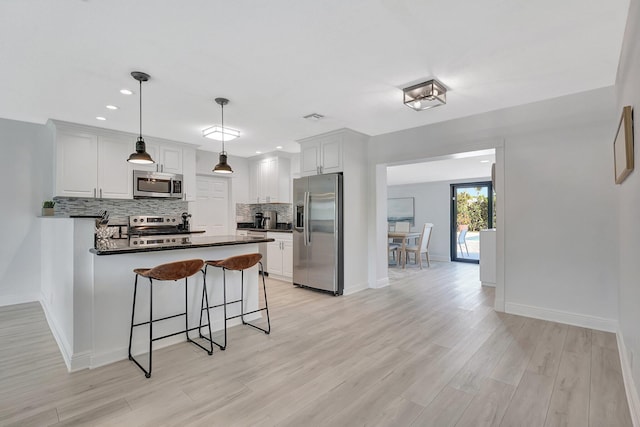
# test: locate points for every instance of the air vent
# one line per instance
(314, 117)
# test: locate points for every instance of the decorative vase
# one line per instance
(47, 211)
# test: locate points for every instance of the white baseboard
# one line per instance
(380, 283)
(498, 305)
(65, 348)
(357, 288)
(488, 284)
(280, 278)
(19, 299)
(80, 361)
(629, 383)
(591, 322)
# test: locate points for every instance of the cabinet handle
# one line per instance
(94, 193)
(101, 193)
(161, 168)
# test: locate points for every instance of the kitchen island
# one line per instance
(87, 293)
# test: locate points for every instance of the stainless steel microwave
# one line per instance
(148, 184)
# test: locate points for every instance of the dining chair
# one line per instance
(401, 227)
(422, 247)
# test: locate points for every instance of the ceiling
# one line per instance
(471, 165)
(280, 60)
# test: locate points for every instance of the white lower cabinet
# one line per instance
(280, 255)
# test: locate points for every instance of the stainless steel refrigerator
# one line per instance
(317, 233)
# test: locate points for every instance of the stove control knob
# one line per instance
(135, 220)
(141, 219)
(174, 220)
(135, 243)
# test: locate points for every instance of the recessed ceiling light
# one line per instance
(258, 152)
(126, 92)
(112, 107)
(484, 161)
(101, 118)
(279, 147)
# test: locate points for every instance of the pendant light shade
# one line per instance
(141, 156)
(222, 166)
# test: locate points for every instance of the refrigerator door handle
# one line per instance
(307, 234)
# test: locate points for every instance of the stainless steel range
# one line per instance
(159, 230)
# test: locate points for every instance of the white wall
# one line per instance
(556, 158)
(26, 169)
(560, 226)
(432, 204)
(628, 193)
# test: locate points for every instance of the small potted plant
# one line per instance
(47, 207)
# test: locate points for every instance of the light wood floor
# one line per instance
(426, 351)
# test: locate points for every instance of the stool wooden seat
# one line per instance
(165, 272)
(235, 263)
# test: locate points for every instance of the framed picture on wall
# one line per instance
(401, 210)
(623, 146)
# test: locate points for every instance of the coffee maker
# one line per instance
(257, 220)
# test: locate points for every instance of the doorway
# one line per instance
(472, 210)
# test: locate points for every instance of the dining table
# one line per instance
(404, 236)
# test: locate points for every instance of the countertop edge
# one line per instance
(122, 251)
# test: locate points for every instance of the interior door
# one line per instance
(472, 206)
(210, 210)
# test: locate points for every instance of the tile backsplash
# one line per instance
(119, 208)
(245, 211)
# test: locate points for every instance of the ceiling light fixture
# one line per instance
(425, 95)
(126, 92)
(101, 118)
(111, 107)
(140, 156)
(279, 147)
(222, 166)
(215, 132)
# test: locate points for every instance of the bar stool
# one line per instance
(236, 263)
(170, 271)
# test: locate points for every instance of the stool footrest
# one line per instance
(157, 320)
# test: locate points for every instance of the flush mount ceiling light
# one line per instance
(222, 166)
(425, 95)
(141, 156)
(216, 132)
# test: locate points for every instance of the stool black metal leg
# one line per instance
(204, 305)
(224, 307)
(265, 308)
(242, 297)
(133, 312)
(148, 374)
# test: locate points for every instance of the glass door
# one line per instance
(472, 210)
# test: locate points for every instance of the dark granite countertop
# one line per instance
(122, 246)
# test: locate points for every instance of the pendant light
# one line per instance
(140, 157)
(222, 166)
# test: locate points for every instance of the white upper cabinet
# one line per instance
(321, 154)
(189, 174)
(167, 157)
(92, 166)
(92, 162)
(115, 174)
(270, 180)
